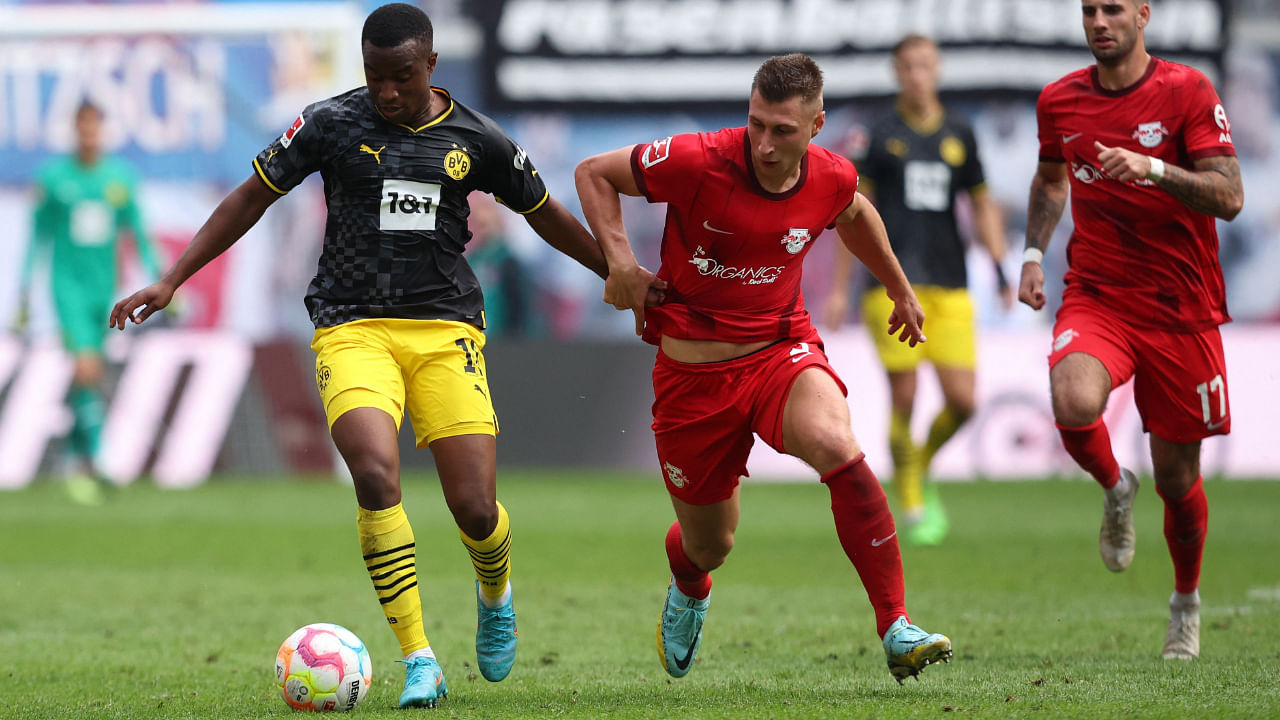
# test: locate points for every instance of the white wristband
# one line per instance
(1032, 255)
(1157, 169)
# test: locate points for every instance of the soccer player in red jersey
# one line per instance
(737, 353)
(1143, 148)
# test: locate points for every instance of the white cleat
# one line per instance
(1117, 539)
(1183, 640)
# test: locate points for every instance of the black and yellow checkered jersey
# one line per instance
(914, 173)
(397, 205)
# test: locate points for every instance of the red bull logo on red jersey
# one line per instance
(795, 239)
(1150, 134)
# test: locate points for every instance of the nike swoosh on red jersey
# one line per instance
(878, 543)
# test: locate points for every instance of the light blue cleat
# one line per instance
(496, 638)
(909, 650)
(423, 683)
(680, 630)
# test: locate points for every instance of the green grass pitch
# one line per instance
(172, 604)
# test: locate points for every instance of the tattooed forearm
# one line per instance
(1044, 210)
(1213, 188)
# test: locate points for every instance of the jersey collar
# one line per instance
(437, 119)
(924, 127)
(1097, 86)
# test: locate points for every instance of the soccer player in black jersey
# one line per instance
(398, 312)
(918, 159)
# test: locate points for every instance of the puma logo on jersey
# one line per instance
(374, 153)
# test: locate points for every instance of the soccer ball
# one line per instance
(323, 666)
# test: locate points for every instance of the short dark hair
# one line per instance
(390, 25)
(87, 107)
(911, 41)
(783, 77)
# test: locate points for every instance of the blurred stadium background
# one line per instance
(223, 385)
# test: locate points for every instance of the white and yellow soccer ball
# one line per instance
(323, 667)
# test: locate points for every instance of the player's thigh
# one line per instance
(446, 384)
(949, 325)
(800, 406)
(896, 356)
(1180, 386)
(1091, 355)
(958, 387)
(815, 421)
(356, 368)
(701, 428)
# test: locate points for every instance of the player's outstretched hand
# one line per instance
(1031, 288)
(1121, 164)
(141, 305)
(907, 321)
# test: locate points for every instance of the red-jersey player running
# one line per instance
(737, 352)
(1143, 148)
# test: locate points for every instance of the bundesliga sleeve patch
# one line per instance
(287, 137)
(656, 152)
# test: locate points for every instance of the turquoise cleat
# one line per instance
(680, 630)
(423, 683)
(910, 650)
(496, 638)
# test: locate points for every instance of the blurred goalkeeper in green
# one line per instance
(83, 203)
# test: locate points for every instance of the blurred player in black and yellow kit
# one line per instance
(398, 312)
(918, 158)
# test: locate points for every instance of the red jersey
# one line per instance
(732, 252)
(1135, 247)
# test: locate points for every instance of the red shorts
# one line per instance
(704, 414)
(1179, 379)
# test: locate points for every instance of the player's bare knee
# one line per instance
(962, 410)
(376, 480)
(1075, 409)
(827, 447)
(475, 517)
(710, 555)
(88, 371)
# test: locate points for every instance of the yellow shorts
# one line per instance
(434, 368)
(948, 323)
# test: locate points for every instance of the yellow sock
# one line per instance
(906, 463)
(492, 556)
(386, 539)
(944, 426)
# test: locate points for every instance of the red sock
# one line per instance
(1186, 520)
(868, 536)
(690, 579)
(1090, 447)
